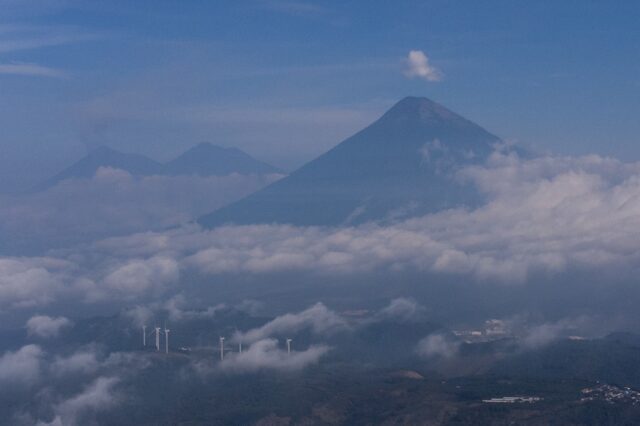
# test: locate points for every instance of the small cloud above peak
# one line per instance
(417, 65)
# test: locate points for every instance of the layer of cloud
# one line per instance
(22, 367)
(72, 388)
(437, 346)
(548, 214)
(540, 335)
(81, 362)
(29, 282)
(266, 354)
(404, 309)
(137, 276)
(46, 326)
(23, 37)
(418, 65)
(543, 216)
(31, 70)
(318, 319)
(98, 396)
(113, 203)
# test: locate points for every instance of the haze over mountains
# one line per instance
(403, 164)
(204, 159)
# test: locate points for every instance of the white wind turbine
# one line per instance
(166, 340)
(289, 346)
(221, 348)
(158, 339)
(144, 335)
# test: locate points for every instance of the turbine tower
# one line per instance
(144, 335)
(289, 346)
(158, 339)
(240, 347)
(221, 348)
(166, 340)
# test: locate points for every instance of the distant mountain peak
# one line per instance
(207, 159)
(207, 145)
(210, 148)
(104, 156)
(420, 109)
(204, 159)
(402, 164)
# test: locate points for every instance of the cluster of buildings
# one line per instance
(513, 400)
(492, 329)
(611, 394)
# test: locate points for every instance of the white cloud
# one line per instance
(250, 307)
(31, 70)
(545, 215)
(28, 282)
(46, 326)
(82, 362)
(540, 335)
(96, 397)
(28, 37)
(318, 318)
(177, 309)
(139, 276)
(114, 203)
(57, 379)
(21, 367)
(437, 345)
(418, 65)
(265, 354)
(404, 309)
(140, 315)
(548, 214)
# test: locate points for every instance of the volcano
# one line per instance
(206, 159)
(403, 164)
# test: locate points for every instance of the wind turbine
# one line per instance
(144, 335)
(240, 347)
(166, 340)
(158, 339)
(221, 348)
(289, 346)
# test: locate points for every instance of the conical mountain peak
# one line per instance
(207, 159)
(402, 164)
(420, 109)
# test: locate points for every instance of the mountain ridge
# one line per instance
(203, 159)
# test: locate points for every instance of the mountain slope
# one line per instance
(400, 165)
(202, 160)
(206, 159)
(86, 167)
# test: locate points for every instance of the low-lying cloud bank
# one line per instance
(545, 215)
(318, 318)
(71, 389)
(113, 203)
(266, 354)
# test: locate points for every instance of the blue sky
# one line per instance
(287, 79)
